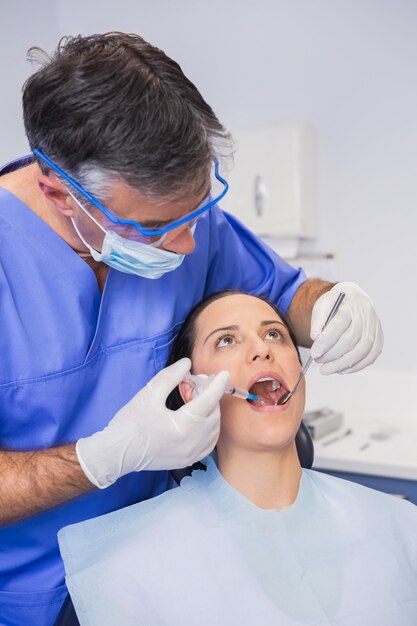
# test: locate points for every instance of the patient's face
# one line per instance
(243, 335)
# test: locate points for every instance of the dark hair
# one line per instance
(115, 103)
(184, 342)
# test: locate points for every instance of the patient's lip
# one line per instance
(267, 374)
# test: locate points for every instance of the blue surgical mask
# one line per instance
(132, 257)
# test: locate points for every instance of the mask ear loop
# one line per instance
(94, 253)
(158, 243)
(86, 212)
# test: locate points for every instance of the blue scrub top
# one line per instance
(72, 357)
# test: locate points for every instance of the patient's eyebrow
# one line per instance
(233, 327)
(268, 322)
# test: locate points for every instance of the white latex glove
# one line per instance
(145, 435)
(199, 383)
(353, 339)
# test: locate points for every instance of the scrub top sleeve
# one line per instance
(240, 260)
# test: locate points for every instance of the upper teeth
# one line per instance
(275, 383)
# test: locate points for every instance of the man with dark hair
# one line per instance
(120, 190)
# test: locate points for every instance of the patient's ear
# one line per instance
(186, 390)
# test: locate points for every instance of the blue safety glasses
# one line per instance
(146, 232)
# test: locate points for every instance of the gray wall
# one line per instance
(346, 66)
(22, 24)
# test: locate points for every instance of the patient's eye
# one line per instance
(274, 334)
(224, 341)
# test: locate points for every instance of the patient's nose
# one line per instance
(261, 351)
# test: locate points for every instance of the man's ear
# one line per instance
(186, 389)
(55, 192)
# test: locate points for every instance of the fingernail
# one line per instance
(326, 372)
(316, 353)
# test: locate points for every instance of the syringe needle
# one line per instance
(240, 393)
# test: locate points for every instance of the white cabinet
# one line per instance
(273, 183)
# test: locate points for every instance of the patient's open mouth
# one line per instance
(268, 389)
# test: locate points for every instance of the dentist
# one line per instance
(109, 233)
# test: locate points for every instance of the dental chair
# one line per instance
(305, 451)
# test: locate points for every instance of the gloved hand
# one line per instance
(353, 339)
(145, 435)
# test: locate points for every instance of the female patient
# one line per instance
(253, 539)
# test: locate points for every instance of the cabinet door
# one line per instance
(273, 181)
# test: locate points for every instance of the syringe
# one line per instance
(240, 393)
(231, 390)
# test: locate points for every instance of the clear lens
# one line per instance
(217, 188)
(127, 231)
(191, 225)
(183, 223)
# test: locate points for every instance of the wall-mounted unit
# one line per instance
(273, 183)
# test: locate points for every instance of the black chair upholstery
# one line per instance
(305, 451)
(67, 615)
(305, 447)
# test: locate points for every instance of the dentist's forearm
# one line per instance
(299, 313)
(32, 482)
